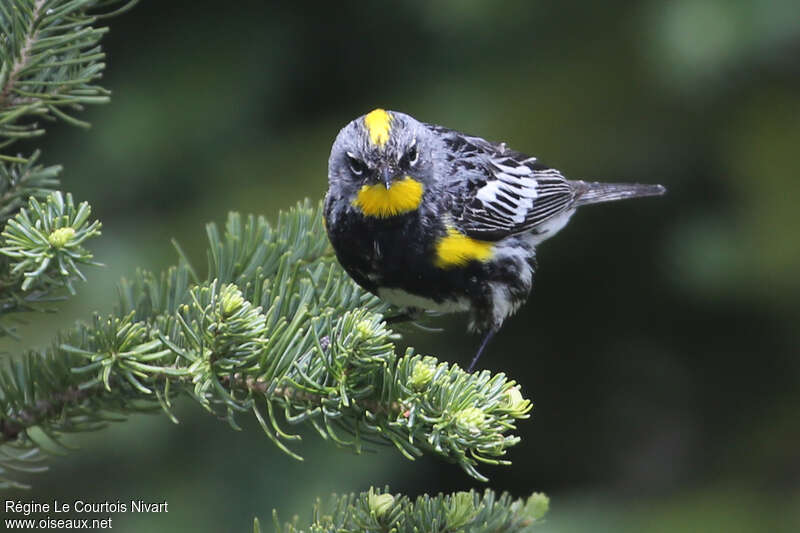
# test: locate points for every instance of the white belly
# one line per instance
(402, 298)
(550, 227)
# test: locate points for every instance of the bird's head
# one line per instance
(381, 163)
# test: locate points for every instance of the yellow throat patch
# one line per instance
(378, 123)
(456, 250)
(377, 201)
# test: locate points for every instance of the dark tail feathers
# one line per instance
(593, 192)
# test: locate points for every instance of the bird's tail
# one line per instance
(593, 192)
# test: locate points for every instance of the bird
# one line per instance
(429, 218)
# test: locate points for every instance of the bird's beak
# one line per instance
(387, 178)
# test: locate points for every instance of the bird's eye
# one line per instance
(357, 166)
(411, 156)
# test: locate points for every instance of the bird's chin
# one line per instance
(402, 197)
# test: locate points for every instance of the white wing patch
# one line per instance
(512, 192)
(519, 170)
(509, 195)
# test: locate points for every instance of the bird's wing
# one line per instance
(496, 192)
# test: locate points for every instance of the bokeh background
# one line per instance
(661, 342)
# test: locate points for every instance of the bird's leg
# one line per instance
(406, 315)
(486, 339)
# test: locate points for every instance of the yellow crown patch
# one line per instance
(378, 123)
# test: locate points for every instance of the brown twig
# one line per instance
(13, 424)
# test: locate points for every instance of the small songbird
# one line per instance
(429, 218)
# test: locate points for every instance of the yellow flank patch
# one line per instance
(377, 201)
(378, 123)
(456, 249)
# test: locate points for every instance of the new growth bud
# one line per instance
(60, 237)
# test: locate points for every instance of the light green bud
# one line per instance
(536, 506)
(60, 237)
(470, 418)
(461, 510)
(513, 401)
(421, 375)
(379, 503)
(231, 299)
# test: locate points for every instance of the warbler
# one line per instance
(428, 218)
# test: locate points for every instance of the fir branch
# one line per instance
(22, 180)
(42, 247)
(50, 58)
(28, 37)
(49, 61)
(375, 510)
(276, 328)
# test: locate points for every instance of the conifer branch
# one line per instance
(28, 36)
(278, 330)
(50, 57)
(375, 510)
(22, 180)
(45, 243)
(42, 247)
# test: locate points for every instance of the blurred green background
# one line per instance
(660, 344)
